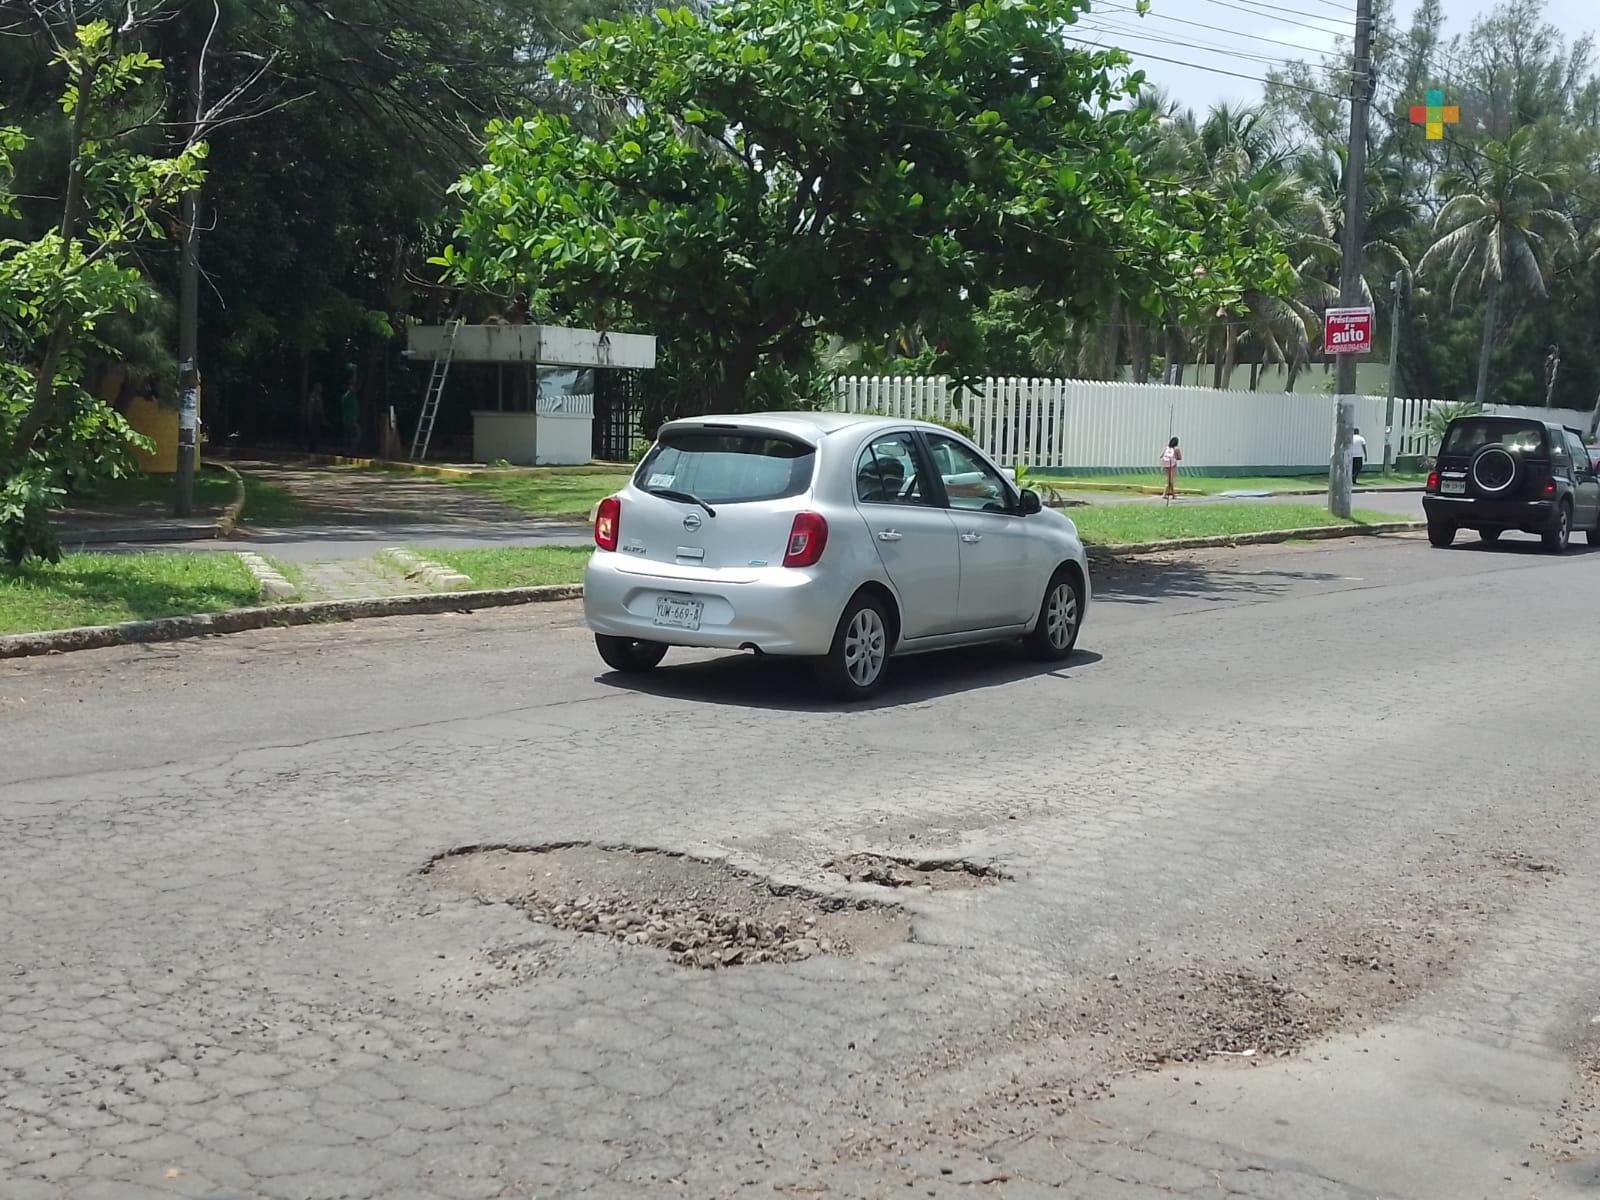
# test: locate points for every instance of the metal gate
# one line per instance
(618, 414)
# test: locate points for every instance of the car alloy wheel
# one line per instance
(1055, 629)
(1061, 615)
(866, 646)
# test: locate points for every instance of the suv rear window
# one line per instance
(1467, 434)
(728, 468)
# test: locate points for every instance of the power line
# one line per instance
(1190, 43)
(1259, 8)
(1178, 62)
(1253, 37)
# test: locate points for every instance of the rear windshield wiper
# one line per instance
(682, 498)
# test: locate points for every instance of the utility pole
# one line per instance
(1350, 266)
(189, 321)
(1394, 364)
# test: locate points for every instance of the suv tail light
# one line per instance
(1433, 481)
(1545, 485)
(608, 523)
(808, 538)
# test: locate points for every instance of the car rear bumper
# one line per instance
(1468, 512)
(775, 610)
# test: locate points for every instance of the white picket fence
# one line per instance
(1107, 426)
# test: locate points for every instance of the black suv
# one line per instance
(1500, 473)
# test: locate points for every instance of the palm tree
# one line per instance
(1499, 225)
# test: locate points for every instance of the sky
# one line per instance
(1219, 34)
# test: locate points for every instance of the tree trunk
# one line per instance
(1491, 298)
(730, 393)
(1177, 355)
(1255, 375)
(1139, 352)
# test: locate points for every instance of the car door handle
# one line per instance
(971, 538)
(889, 535)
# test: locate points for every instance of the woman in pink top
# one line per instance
(1170, 458)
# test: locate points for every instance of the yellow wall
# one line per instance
(160, 425)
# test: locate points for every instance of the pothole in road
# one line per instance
(700, 914)
(935, 874)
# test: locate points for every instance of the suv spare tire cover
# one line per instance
(1496, 469)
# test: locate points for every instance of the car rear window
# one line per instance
(1466, 435)
(728, 468)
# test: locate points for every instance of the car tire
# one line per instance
(857, 662)
(1489, 535)
(1556, 539)
(1055, 633)
(629, 655)
(1594, 536)
(1496, 471)
(1441, 535)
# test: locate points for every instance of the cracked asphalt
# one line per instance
(224, 974)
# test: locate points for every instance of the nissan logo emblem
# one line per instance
(691, 522)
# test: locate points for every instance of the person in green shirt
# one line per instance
(350, 414)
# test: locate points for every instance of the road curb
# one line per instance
(412, 565)
(229, 521)
(270, 582)
(1268, 538)
(1360, 491)
(241, 620)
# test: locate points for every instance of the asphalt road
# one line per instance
(1303, 893)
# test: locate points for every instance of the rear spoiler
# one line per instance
(753, 427)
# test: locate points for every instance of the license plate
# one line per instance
(673, 612)
(1453, 487)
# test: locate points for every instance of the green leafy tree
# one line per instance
(1499, 227)
(56, 289)
(780, 168)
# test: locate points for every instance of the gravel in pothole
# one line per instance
(700, 914)
(936, 874)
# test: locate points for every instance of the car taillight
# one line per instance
(1433, 481)
(808, 538)
(1546, 486)
(608, 523)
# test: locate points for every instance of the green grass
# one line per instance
(516, 566)
(1120, 524)
(1211, 485)
(549, 493)
(102, 589)
(151, 495)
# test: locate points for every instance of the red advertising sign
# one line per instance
(1347, 331)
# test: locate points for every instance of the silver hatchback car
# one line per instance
(845, 539)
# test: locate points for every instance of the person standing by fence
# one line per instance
(1171, 456)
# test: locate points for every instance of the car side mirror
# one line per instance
(1031, 502)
